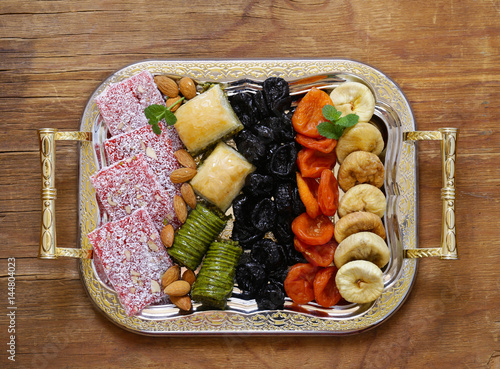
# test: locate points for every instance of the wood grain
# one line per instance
(443, 54)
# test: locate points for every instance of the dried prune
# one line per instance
(247, 120)
(297, 204)
(245, 258)
(269, 254)
(283, 161)
(263, 216)
(265, 133)
(246, 235)
(251, 147)
(283, 197)
(283, 228)
(242, 103)
(242, 208)
(271, 297)
(292, 255)
(281, 127)
(277, 94)
(250, 277)
(271, 148)
(260, 105)
(259, 185)
(279, 276)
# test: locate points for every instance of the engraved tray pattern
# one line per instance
(263, 322)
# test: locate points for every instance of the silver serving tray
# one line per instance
(394, 117)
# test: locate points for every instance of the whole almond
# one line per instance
(177, 288)
(185, 159)
(170, 276)
(167, 86)
(187, 87)
(188, 276)
(188, 195)
(182, 302)
(182, 175)
(167, 235)
(180, 208)
(171, 101)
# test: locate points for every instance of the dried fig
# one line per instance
(363, 197)
(360, 221)
(362, 246)
(361, 167)
(354, 97)
(361, 137)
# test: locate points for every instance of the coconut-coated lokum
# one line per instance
(122, 104)
(130, 184)
(133, 259)
(158, 150)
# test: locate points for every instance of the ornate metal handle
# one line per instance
(448, 137)
(48, 245)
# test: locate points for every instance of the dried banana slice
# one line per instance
(363, 197)
(361, 137)
(360, 281)
(362, 246)
(354, 97)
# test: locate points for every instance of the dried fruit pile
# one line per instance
(355, 244)
(269, 202)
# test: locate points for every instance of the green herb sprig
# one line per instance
(156, 112)
(335, 124)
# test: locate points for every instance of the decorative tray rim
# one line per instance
(262, 322)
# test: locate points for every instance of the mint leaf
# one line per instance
(330, 113)
(156, 128)
(155, 113)
(329, 130)
(335, 124)
(170, 118)
(347, 121)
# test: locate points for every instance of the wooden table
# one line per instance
(443, 54)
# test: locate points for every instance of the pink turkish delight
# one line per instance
(122, 104)
(158, 149)
(133, 259)
(129, 185)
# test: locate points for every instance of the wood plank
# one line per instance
(444, 56)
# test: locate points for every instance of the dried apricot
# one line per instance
(313, 231)
(312, 162)
(308, 192)
(323, 144)
(328, 193)
(299, 283)
(319, 255)
(309, 112)
(326, 292)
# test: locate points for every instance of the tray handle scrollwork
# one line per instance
(48, 244)
(448, 138)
